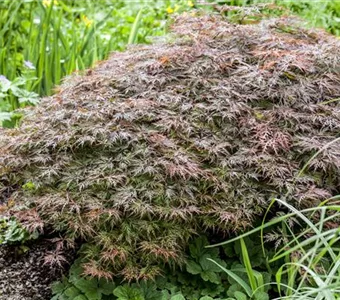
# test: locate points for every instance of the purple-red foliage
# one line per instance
(192, 134)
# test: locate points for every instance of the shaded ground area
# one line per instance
(25, 277)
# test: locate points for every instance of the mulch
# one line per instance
(24, 276)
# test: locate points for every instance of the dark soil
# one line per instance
(24, 276)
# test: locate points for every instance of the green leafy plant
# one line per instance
(78, 287)
(200, 262)
(13, 233)
(13, 95)
(201, 279)
(254, 288)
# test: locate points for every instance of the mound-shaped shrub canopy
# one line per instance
(193, 134)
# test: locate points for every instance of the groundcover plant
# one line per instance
(193, 134)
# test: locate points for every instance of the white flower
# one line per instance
(4, 79)
(29, 65)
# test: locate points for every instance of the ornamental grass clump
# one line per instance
(193, 134)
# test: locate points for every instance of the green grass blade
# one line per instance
(247, 265)
(265, 225)
(237, 278)
(135, 27)
(309, 224)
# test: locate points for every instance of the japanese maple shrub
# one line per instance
(192, 134)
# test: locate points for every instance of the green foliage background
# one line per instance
(51, 39)
(324, 13)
